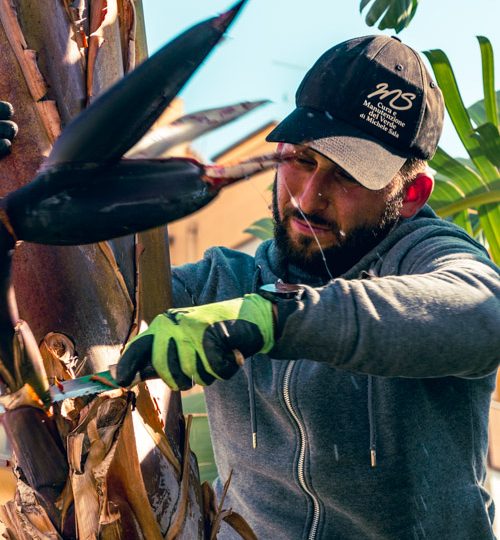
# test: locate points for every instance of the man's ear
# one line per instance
(417, 194)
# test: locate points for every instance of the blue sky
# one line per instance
(274, 42)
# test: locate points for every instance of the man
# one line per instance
(369, 379)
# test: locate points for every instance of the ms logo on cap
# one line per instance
(405, 97)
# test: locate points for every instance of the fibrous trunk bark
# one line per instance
(83, 302)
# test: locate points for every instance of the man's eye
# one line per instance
(348, 178)
(304, 161)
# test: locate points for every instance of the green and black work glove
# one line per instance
(8, 128)
(200, 344)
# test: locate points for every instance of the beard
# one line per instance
(349, 247)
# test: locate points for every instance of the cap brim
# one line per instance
(371, 163)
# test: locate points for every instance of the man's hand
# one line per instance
(8, 128)
(200, 344)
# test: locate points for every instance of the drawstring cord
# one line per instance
(251, 385)
(251, 397)
(251, 392)
(371, 417)
(371, 421)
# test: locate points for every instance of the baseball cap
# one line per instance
(368, 104)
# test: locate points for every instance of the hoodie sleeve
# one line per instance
(221, 274)
(439, 317)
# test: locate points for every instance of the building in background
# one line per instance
(224, 220)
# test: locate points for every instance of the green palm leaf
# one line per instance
(378, 8)
(477, 112)
(458, 113)
(445, 192)
(486, 198)
(263, 229)
(399, 15)
(462, 219)
(487, 61)
(466, 177)
(480, 143)
(489, 140)
(395, 14)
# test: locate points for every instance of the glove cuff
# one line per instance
(255, 308)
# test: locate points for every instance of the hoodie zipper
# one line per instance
(303, 444)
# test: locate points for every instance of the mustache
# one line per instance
(313, 219)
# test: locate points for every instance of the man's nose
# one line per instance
(312, 197)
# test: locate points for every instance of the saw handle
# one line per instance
(146, 374)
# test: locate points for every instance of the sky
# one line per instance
(273, 43)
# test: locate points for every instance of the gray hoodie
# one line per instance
(392, 363)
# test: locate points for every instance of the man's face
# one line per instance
(317, 202)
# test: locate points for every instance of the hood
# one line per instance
(389, 252)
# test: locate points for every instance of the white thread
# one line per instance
(297, 205)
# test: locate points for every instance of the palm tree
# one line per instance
(119, 466)
(468, 191)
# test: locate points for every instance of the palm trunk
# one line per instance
(83, 302)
